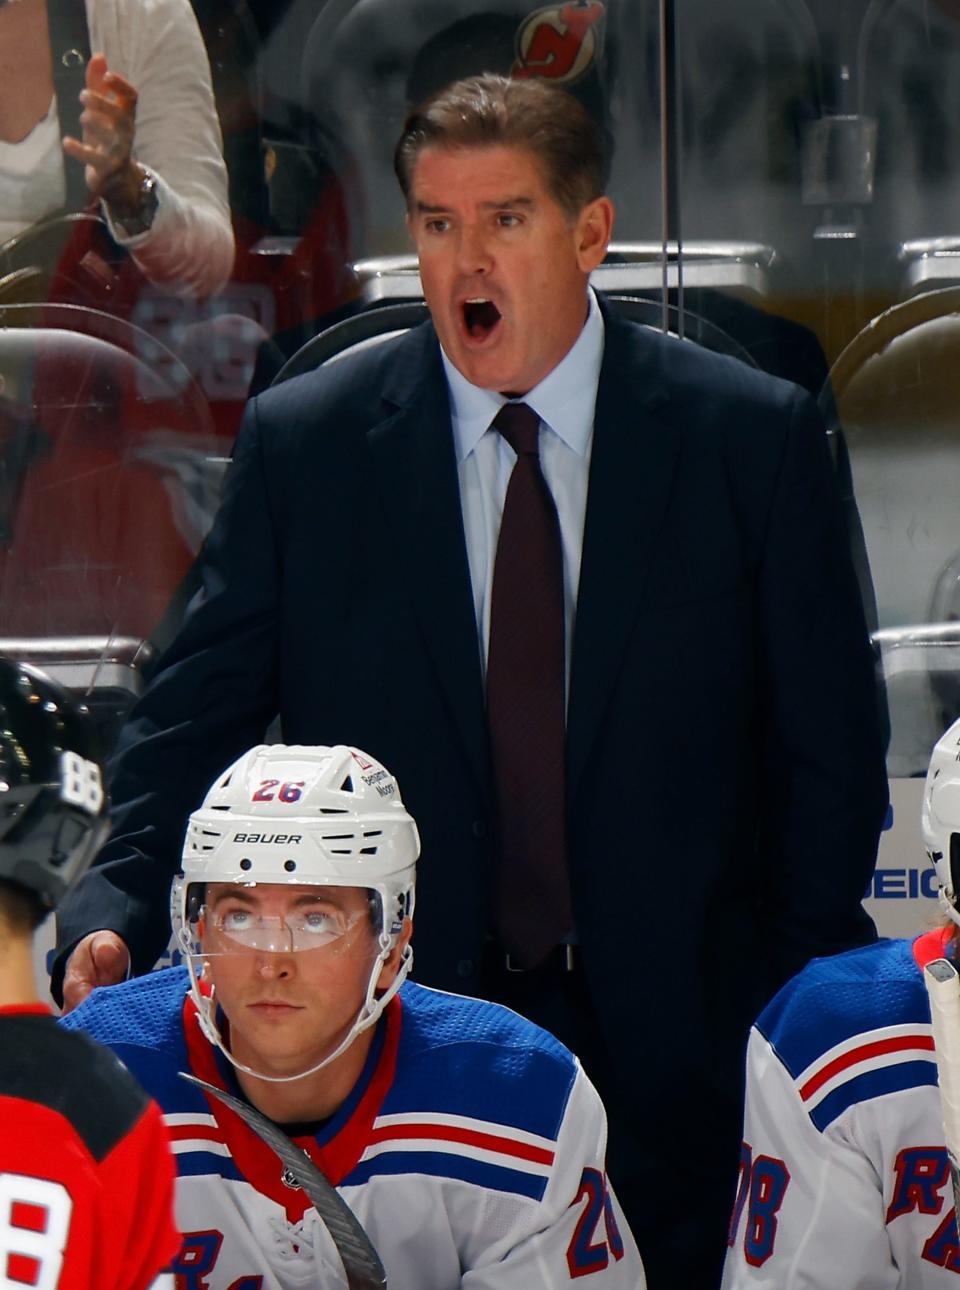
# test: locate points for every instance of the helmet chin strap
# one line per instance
(947, 905)
(368, 1013)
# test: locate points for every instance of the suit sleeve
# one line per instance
(823, 780)
(577, 1235)
(809, 1211)
(212, 697)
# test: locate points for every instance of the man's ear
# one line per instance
(392, 964)
(593, 231)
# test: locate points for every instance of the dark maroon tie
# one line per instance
(525, 704)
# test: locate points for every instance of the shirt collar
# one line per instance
(564, 399)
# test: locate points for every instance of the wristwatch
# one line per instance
(140, 218)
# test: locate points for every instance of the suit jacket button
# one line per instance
(465, 967)
(479, 828)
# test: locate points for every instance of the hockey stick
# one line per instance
(360, 1260)
(943, 990)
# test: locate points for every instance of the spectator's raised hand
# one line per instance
(106, 149)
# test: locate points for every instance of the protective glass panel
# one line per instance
(828, 135)
(109, 475)
(786, 178)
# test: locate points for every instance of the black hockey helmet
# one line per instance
(53, 806)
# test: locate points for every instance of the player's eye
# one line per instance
(507, 219)
(235, 920)
(437, 225)
(319, 923)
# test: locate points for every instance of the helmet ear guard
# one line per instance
(300, 816)
(940, 819)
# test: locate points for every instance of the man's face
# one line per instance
(504, 268)
(288, 1008)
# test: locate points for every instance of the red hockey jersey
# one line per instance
(86, 1175)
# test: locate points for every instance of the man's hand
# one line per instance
(106, 150)
(101, 958)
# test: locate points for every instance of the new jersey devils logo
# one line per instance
(560, 42)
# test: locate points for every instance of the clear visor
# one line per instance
(248, 921)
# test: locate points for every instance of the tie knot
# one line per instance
(520, 426)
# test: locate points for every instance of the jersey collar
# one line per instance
(336, 1150)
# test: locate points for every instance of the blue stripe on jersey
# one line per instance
(461, 1056)
(871, 1084)
(207, 1164)
(439, 1164)
(457, 1056)
(834, 999)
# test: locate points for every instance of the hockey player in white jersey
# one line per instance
(844, 1176)
(468, 1142)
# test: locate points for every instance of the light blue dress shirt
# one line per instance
(564, 400)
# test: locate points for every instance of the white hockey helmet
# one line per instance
(301, 815)
(940, 818)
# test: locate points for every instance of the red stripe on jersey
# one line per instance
(187, 1132)
(469, 1137)
(336, 1158)
(897, 1044)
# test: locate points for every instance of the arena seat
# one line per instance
(374, 326)
(896, 391)
(724, 286)
(108, 480)
(629, 268)
(67, 258)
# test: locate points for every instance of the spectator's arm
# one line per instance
(159, 51)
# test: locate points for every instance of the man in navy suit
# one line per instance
(724, 781)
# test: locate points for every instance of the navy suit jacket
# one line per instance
(725, 771)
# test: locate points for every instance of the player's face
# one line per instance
(289, 1008)
(504, 268)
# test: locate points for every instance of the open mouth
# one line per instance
(480, 316)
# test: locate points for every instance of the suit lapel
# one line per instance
(414, 462)
(631, 472)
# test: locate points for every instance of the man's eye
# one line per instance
(236, 920)
(437, 225)
(508, 220)
(318, 923)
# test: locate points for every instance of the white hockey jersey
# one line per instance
(471, 1150)
(844, 1180)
